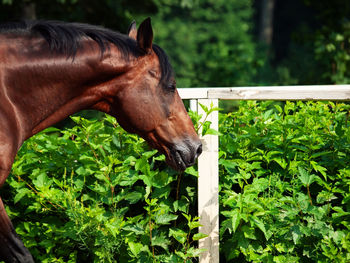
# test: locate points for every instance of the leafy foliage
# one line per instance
(114, 14)
(285, 182)
(332, 51)
(214, 45)
(94, 193)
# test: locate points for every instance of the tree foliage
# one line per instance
(209, 42)
(114, 14)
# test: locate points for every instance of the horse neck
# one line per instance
(50, 89)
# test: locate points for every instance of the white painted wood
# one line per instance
(208, 188)
(283, 93)
(193, 105)
(315, 92)
(193, 93)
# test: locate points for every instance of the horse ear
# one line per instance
(132, 30)
(145, 36)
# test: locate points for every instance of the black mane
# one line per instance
(66, 38)
(165, 66)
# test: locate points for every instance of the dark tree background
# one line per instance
(224, 43)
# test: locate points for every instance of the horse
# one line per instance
(50, 70)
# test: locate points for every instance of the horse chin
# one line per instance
(176, 162)
(178, 156)
(173, 158)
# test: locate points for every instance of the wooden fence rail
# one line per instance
(208, 168)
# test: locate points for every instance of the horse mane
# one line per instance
(167, 71)
(66, 38)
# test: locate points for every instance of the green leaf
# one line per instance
(319, 169)
(42, 180)
(178, 234)
(131, 160)
(149, 154)
(193, 224)
(146, 179)
(160, 179)
(20, 194)
(228, 163)
(180, 205)
(134, 197)
(134, 229)
(165, 219)
(129, 178)
(135, 248)
(296, 234)
(204, 108)
(236, 219)
(161, 241)
(212, 132)
(194, 252)
(142, 165)
(279, 108)
(199, 236)
(192, 171)
(305, 177)
(257, 222)
(82, 171)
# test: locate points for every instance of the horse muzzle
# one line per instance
(184, 155)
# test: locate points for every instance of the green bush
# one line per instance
(94, 193)
(284, 182)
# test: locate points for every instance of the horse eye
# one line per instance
(172, 87)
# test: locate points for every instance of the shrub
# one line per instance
(285, 177)
(94, 193)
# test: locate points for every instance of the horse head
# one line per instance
(148, 103)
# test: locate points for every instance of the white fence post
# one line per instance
(193, 105)
(208, 188)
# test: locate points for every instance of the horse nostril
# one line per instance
(199, 150)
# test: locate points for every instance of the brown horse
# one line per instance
(49, 70)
